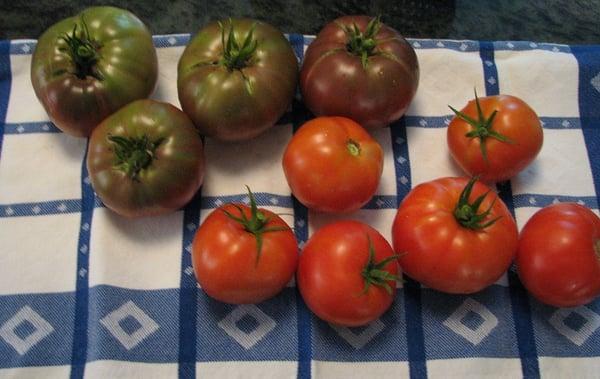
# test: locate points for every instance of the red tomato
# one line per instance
(244, 254)
(447, 243)
(347, 273)
(495, 137)
(360, 68)
(333, 165)
(559, 255)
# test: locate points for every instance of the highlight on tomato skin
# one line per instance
(333, 165)
(242, 254)
(558, 260)
(455, 235)
(347, 273)
(494, 137)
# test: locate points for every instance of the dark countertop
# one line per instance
(560, 21)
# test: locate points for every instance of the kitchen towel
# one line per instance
(84, 292)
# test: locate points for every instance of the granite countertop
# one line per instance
(560, 21)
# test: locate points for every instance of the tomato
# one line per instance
(454, 235)
(236, 78)
(146, 159)
(359, 68)
(559, 255)
(347, 273)
(86, 67)
(333, 165)
(495, 137)
(244, 254)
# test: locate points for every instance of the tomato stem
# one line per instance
(133, 154)
(374, 273)
(466, 213)
(362, 44)
(83, 50)
(353, 147)
(237, 56)
(482, 127)
(256, 224)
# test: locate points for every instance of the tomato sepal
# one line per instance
(374, 273)
(466, 213)
(256, 224)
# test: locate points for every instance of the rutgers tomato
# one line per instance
(559, 255)
(236, 78)
(359, 68)
(347, 273)
(86, 67)
(146, 159)
(333, 165)
(454, 235)
(495, 137)
(243, 254)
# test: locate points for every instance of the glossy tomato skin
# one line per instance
(559, 255)
(224, 257)
(127, 69)
(515, 120)
(169, 182)
(442, 254)
(324, 174)
(335, 83)
(329, 274)
(218, 100)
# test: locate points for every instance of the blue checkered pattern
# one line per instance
(85, 293)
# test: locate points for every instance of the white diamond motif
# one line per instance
(359, 340)
(46, 127)
(533, 45)
(20, 129)
(300, 222)
(403, 180)
(492, 80)
(510, 45)
(440, 44)
(578, 337)
(566, 123)
(555, 201)
(172, 41)
(191, 226)
(423, 122)
(555, 49)
(489, 63)
(401, 159)
(400, 140)
(188, 270)
(9, 211)
(595, 82)
(36, 209)
(416, 44)
(25, 48)
(129, 340)
(62, 207)
(474, 336)
(247, 339)
(463, 46)
(42, 329)
(532, 200)
(274, 201)
(218, 202)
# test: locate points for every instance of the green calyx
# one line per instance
(133, 154)
(257, 224)
(482, 127)
(235, 55)
(362, 44)
(467, 213)
(83, 50)
(374, 273)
